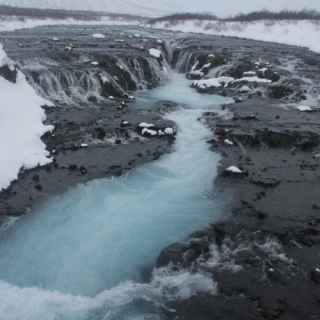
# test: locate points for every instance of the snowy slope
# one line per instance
(300, 33)
(21, 126)
(14, 23)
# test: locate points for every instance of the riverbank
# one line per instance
(264, 253)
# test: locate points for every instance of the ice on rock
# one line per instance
(212, 82)
(234, 169)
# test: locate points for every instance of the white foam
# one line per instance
(183, 284)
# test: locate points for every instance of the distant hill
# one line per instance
(247, 17)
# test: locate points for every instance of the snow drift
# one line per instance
(15, 23)
(21, 126)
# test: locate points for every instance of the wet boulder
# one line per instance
(99, 133)
(315, 275)
(173, 254)
(9, 72)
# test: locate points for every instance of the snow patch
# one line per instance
(253, 79)
(234, 169)
(212, 82)
(169, 131)
(249, 74)
(156, 53)
(146, 125)
(228, 142)
(98, 36)
(304, 108)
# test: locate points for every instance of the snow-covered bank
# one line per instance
(301, 33)
(21, 126)
(14, 23)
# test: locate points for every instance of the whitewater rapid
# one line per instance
(83, 255)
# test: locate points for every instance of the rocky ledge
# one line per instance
(87, 144)
(90, 75)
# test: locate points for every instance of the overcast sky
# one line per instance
(158, 7)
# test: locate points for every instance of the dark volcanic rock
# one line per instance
(279, 91)
(9, 73)
(266, 250)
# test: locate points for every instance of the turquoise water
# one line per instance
(82, 255)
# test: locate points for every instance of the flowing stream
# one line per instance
(83, 255)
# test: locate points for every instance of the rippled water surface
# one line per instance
(82, 255)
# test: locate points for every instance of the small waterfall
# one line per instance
(66, 86)
(93, 81)
(185, 61)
